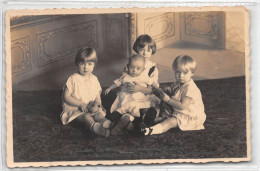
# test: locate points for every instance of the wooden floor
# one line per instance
(39, 135)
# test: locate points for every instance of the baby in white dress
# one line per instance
(132, 102)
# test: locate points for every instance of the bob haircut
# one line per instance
(143, 40)
(184, 63)
(86, 54)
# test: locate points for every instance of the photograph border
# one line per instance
(9, 142)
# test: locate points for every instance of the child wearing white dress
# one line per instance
(146, 47)
(186, 100)
(81, 95)
(131, 103)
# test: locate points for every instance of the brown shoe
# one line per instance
(121, 124)
(100, 130)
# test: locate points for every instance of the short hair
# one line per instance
(185, 63)
(142, 41)
(86, 53)
(136, 57)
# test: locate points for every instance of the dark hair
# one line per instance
(184, 62)
(143, 40)
(86, 52)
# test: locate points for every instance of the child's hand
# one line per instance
(107, 91)
(160, 93)
(83, 107)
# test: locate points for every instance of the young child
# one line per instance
(81, 95)
(146, 47)
(186, 100)
(131, 103)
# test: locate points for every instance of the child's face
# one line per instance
(145, 51)
(86, 67)
(136, 67)
(182, 76)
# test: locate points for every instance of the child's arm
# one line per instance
(73, 101)
(110, 88)
(139, 88)
(180, 105)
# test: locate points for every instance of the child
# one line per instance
(146, 47)
(186, 100)
(81, 95)
(131, 102)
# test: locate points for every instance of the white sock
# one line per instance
(157, 129)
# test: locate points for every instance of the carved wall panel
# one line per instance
(64, 42)
(21, 56)
(160, 27)
(114, 31)
(204, 27)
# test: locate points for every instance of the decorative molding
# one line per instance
(64, 42)
(114, 37)
(160, 27)
(21, 22)
(21, 56)
(133, 32)
(205, 25)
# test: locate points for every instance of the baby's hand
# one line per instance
(107, 91)
(83, 107)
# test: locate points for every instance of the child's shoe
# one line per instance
(146, 130)
(100, 130)
(107, 124)
(122, 123)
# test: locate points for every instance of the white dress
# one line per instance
(132, 103)
(83, 88)
(194, 117)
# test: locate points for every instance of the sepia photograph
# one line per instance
(127, 86)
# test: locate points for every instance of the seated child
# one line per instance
(131, 102)
(186, 100)
(81, 95)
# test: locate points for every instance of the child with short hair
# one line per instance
(186, 100)
(146, 47)
(130, 103)
(81, 95)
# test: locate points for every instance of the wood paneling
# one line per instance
(162, 27)
(21, 56)
(206, 28)
(64, 42)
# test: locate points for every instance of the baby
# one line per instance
(128, 102)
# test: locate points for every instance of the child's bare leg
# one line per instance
(159, 120)
(93, 126)
(100, 117)
(161, 127)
